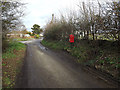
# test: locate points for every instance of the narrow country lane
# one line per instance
(46, 69)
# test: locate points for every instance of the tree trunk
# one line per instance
(119, 36)
(87, 35)
(93, 36)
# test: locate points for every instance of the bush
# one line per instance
(53, 32)
(58, 31)
(37, 36)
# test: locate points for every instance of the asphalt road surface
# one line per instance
(44, 68)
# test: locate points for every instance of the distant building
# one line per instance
(17, 35)
(14, 35)
(21, 35)
(26, 35)
(41, 35)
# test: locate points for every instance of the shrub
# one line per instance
(59, 30)
(53, 32)
(37, 36)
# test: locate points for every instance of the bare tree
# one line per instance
(11, 13)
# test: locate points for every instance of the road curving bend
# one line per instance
(45, 69)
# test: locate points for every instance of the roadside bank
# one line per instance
(95, 59)
(12, 61)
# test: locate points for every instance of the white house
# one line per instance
(41, 35)
(26, 35)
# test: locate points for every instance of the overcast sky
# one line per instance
(40, 11)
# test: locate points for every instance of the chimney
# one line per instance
(52, 17)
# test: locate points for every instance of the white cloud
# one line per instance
(39, 11)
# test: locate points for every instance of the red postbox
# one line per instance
(71, 38)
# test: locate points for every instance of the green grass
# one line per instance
(12, 46)
(3, 64)
(22, 39)
(7, 81)
(53, 45)
(78, 51)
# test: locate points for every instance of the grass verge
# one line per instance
(21, 39)
(102, 55)
(12, 60)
